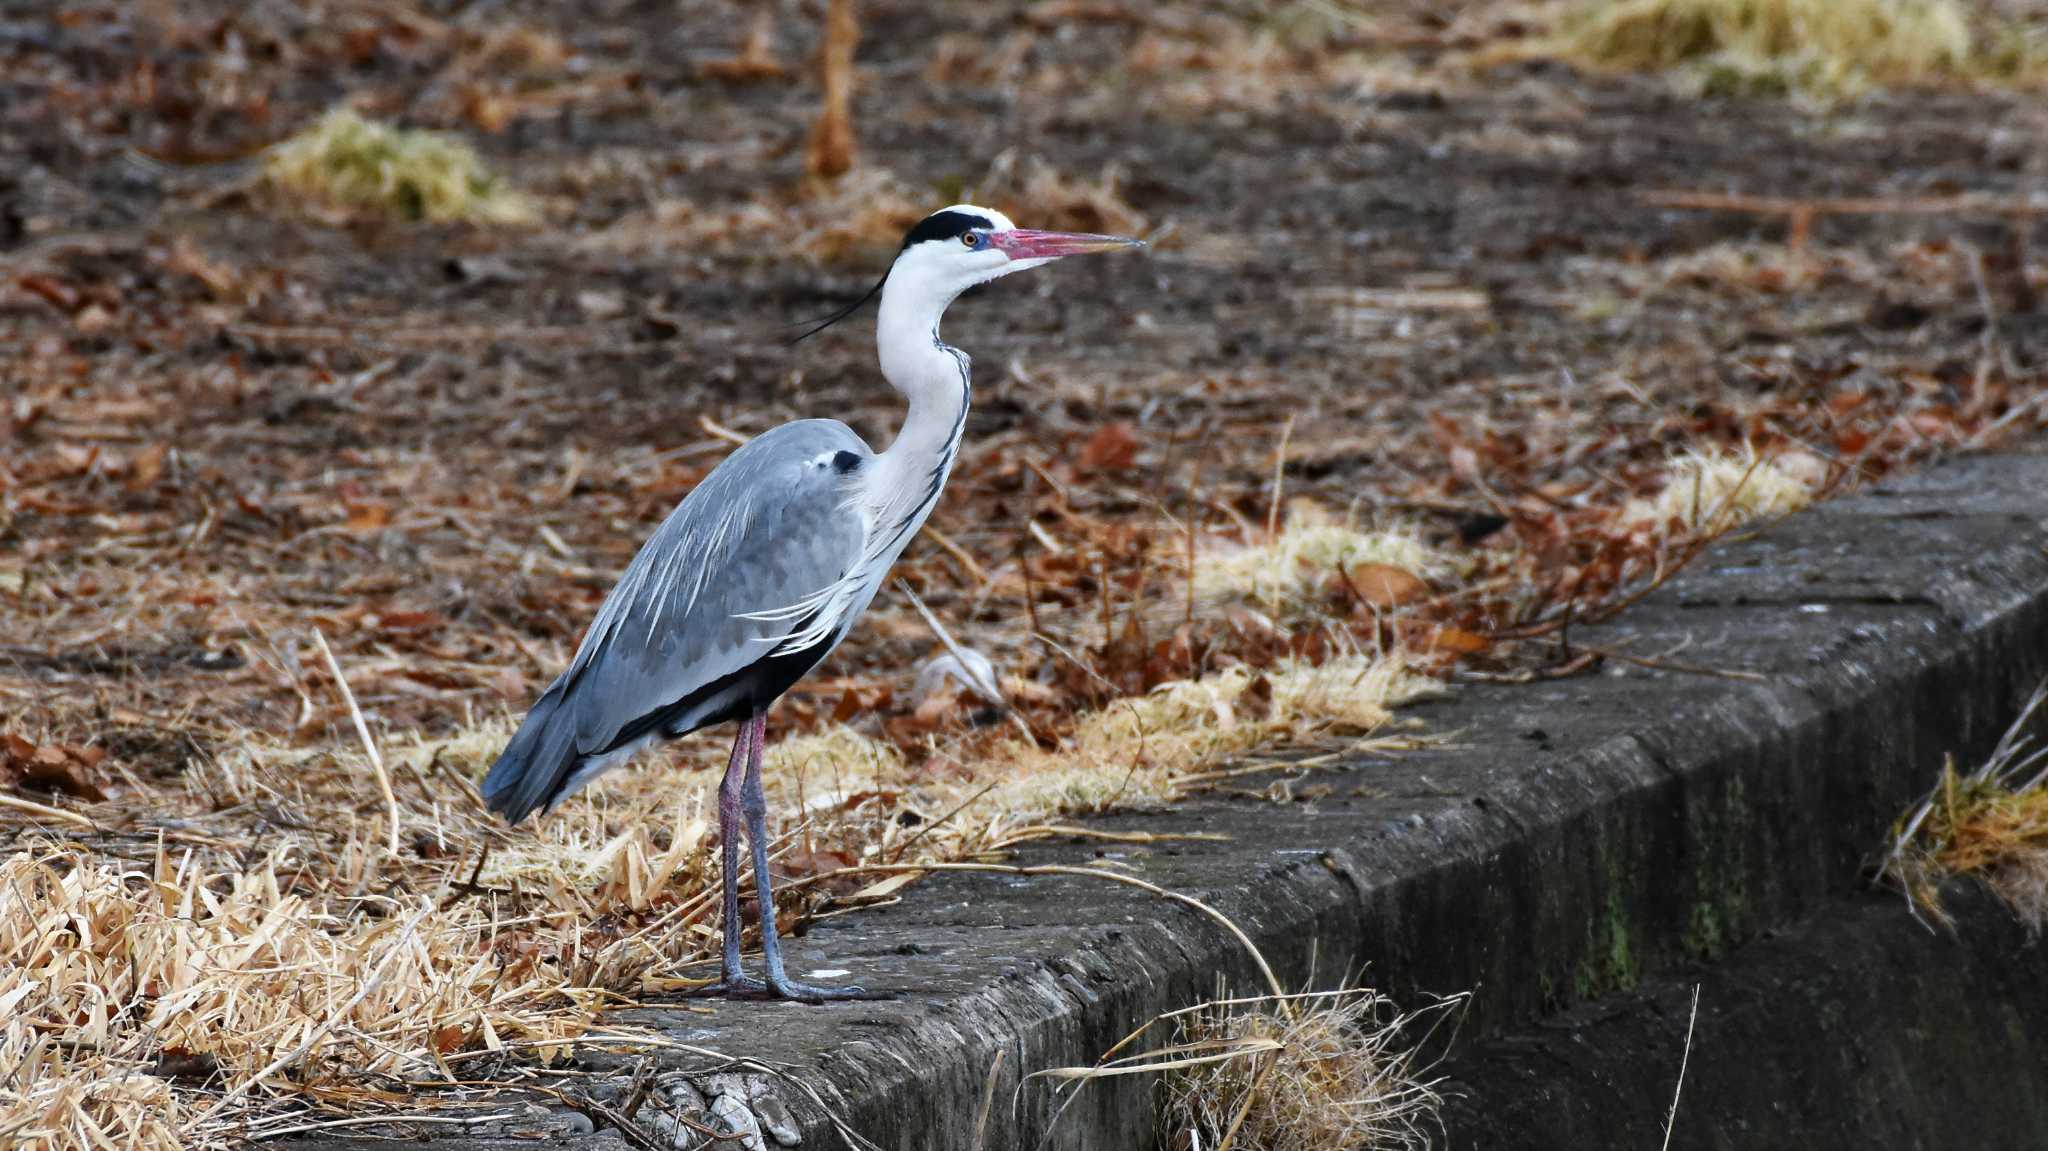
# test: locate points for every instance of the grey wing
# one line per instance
(714, 593)
(705, 598)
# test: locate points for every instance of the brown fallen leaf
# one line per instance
(1384, 585)
(146, 468)
(935, 709)
(366, 518)
(1113, 448)
(882, 888)
(1452, 640)
(59, 768)
(185, 1065)
(55, 292)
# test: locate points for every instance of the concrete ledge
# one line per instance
(1584, 835)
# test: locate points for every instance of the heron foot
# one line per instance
(748, 987)
(813, 993)
(731, 987)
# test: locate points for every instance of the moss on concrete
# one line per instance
(1720, 915)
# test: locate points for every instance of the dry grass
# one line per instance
(347, 162)
(1816, 48)
(1751, 267)
(829, 152)
(120, 969)
(279, 958)
(1331, 1072)
(1311, 549)
(1148, 748)
(292, 963)
(1990, 824)
(1712, 491)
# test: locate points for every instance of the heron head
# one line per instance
(955, 248)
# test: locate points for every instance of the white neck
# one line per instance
(934, 379)
(932, 376)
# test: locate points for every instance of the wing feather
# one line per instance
(768, 528)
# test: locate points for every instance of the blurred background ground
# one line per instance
(232, 415)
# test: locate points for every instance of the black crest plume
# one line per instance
(943, 225)
(848, 310)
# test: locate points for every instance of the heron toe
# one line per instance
(748, 987)
(813, 993)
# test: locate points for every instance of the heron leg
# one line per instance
(731, 795)
(754, 803)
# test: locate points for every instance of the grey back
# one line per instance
(771, 526)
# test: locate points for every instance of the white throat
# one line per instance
(933, 378)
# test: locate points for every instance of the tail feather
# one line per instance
(537, 767)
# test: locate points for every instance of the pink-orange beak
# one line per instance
(1025, 244)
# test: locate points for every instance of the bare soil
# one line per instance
(230, 420)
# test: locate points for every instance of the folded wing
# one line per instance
(696, 630)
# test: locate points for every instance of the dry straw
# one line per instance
(1712, 491)
(1283, 569)
(1820, 48)
(295, 964)
(348, 162)
(1990, 824)
(1339, 1072)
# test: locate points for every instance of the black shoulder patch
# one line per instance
(946, 225)
(845, 462)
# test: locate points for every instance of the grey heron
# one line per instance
(763, 568)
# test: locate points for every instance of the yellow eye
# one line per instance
(970, 239)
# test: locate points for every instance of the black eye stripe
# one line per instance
(946, 225)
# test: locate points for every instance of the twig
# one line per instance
(1279, 478)
(1687, 552)
(991, 690)
(941, 821)
(630, 1131)
(636, 1093)
(713, 427)
(1251, 1096)
(1991, 430)
(269, 1133)
(1657, 664)
(363, 732)
(1236, 932)
(1048, 830)
(469, 886)
(1671, 1120)
(953, 549)
(1987, 352)
(34, 808)
(1565, 670)
(988, 1101)
(1194, 515)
